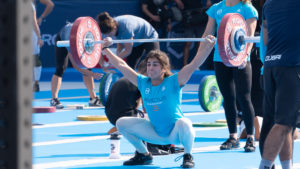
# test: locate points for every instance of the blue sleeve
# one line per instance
(262, 47)
(250, 12)
(174, 81)
(140, 80)
(211, 12)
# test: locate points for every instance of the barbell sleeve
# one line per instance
(67, 43)
(254, 39)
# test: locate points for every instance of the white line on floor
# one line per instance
(73, 140)
(72, 163)
(66, 124)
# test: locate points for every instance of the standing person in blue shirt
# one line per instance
(161, 93)
(281, 81)
(234, 81)
(129, 27)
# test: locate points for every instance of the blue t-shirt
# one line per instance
(136, 27)
(283, 47)
(219, 10)
(64, 33)
(162, 102)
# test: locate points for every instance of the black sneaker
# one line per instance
(55, 102)
(230, 144)
(187, 161)
(139, 159)
(95, 102)
(250, 145)
(36, 87)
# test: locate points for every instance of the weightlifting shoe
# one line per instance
(187, 161)
(139, 159)
(55, 102)
(230, 143)
(95, 102)
(250, 145)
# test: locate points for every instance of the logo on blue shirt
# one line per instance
(272, 58)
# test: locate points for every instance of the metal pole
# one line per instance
(15, 86)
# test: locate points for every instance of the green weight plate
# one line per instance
(210, 97)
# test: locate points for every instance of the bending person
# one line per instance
(161, 94)
(62, 55)
(129, 27)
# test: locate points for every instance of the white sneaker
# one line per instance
(95, 102)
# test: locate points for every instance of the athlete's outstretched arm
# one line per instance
(119, 63)
(185, 73)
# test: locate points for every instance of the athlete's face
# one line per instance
(154, 69)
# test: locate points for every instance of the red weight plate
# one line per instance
(85, 28)
(44, 109)
(227, 25)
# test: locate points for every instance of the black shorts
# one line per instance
(282, 95)
(61, 58)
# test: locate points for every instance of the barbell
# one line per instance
(86, 44)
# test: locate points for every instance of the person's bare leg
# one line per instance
(274, 144)
(186, 52)
(275, 141)
(89, 83)
(257, 128)
(233, 135)
(287, 148)
(286, 153)
(55, 85)
(296, 134)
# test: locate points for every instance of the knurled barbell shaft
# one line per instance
(66, 43)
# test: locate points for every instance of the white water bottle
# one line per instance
(115, 146)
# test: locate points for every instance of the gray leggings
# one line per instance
(136, 130)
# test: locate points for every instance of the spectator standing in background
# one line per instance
(156, 13)
(49, 5)
(194, 21)
(37, 42)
